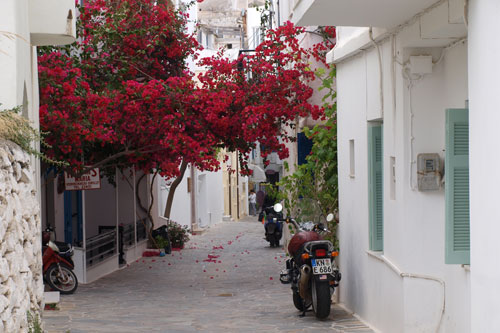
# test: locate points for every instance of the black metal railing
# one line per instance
(101, 247)
(127, 233)
(141, 229)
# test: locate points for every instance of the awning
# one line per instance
(258, 174)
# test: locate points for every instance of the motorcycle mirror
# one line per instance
(329, 217)
(278, 207)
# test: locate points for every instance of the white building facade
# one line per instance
(24, 25)
(416, 90)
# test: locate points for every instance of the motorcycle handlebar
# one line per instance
(316, 227)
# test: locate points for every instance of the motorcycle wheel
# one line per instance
(321, 299)
(276, 240)
(298, 301)
(63, 280)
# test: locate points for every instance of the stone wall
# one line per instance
(21, 282)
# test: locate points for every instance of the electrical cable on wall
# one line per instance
(412, 79)
(381, 71)
(403, 275)
(408, 77)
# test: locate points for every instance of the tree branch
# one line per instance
(118, 155)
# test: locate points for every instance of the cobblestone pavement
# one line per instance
(237, 290)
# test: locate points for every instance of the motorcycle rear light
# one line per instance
(320, 253)
(305, 256)
(335, 253)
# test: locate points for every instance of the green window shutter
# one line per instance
(457, 187)
(375, 191)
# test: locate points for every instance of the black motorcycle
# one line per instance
(273, 225)
(311, 270)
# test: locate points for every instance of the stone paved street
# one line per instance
(239, 292)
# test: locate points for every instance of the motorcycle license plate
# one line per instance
(321, 266)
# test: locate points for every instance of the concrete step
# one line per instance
(198, 231)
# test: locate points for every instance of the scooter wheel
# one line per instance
(62, 279)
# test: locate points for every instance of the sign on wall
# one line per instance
(88, 181)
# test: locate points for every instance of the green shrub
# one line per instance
(161, 242)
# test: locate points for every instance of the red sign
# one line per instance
(88, 181)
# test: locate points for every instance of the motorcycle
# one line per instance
(58, 265)
(311, 270)
(273, 225)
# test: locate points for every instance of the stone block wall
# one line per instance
(21, 282)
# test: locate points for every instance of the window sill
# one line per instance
(375, 254)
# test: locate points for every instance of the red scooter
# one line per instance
(58, 265)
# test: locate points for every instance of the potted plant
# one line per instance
(178, 234)
(162, 244)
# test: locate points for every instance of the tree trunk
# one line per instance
(147, 210)
(171, 192)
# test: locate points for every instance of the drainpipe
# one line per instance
(237, 186)
(194, 224)
(404, 275)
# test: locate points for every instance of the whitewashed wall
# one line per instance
(21, 278)
(210, 199)
(208, 187)
(181, 206)
(20, 248)
(413, 221)
(484, 71)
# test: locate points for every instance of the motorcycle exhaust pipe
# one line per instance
(305, 275)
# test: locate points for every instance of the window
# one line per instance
(256, 35)
(375, 187)
(457, 244)
(304, 146)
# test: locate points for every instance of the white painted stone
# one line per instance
(51, 297)
(21, 287)
(4, 302)
(4, 269)
(17, 171)
(4, 159)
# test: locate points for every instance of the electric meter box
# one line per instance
(429, 172)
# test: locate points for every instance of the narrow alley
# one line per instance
(226, 280)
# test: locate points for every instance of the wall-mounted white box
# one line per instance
(421, 64)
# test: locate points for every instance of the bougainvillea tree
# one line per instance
(122, 96)
(256, 96)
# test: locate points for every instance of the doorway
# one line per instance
(73, 217)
